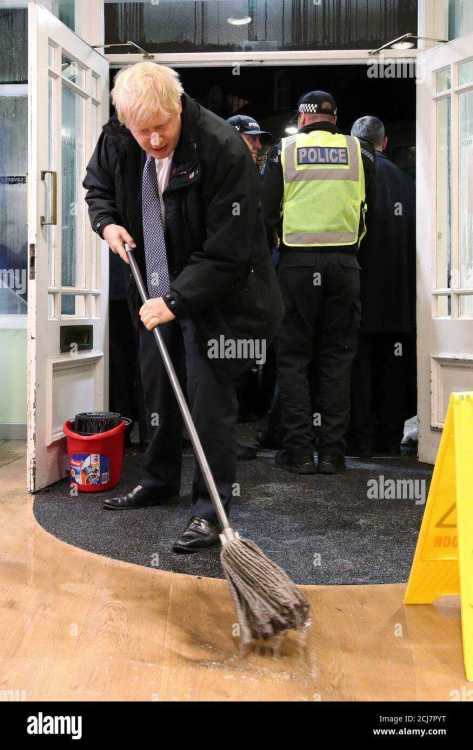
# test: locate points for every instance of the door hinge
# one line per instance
(32, 261)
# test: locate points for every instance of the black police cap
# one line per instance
(245, 124)
(317, 103)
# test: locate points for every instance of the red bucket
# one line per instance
(95, 460)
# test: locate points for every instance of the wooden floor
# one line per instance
(76, 626)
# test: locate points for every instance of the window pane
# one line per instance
(466, 190)
(66, 12)
(465, 73)
(443, 80)
(72, 71)
(444, 306)
(466, 307)
(71, 139)
(63, 9)
(13, 198)
(73, 304)
(49, 230)
(203, 25)
(443, 192)
(460, 18)
(14, 57)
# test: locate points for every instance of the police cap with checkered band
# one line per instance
(317, 103)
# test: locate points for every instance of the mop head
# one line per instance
(266, 600)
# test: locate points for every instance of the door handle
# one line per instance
(53, 219)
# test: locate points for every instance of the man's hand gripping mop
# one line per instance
(266, 600)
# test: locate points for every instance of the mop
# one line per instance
(267, 601)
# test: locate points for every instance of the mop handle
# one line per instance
(186, 415)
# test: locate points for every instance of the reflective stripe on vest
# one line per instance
(324, 189)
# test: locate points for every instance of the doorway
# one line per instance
(270, 93)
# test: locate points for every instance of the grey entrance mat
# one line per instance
(342, 529)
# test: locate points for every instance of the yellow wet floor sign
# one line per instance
(443, 561)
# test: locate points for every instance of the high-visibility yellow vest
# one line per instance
(324, 189)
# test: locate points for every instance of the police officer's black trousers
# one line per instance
(321, 292)
(214, 409)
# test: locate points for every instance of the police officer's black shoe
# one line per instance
(331, 463)
(140, 497)
(198, 535)
(305, 466)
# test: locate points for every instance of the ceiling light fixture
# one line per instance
(146, 55)
(239, 21)
(406, 41)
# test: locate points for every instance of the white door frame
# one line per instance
(243, 59)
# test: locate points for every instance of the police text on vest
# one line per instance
(322, 155)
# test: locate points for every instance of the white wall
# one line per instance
(13, 378)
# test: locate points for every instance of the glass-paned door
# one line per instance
(445, 234)
(68, 275)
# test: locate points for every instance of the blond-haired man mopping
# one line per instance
(177, 184)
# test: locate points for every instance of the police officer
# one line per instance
(251, 134)
(317, 181)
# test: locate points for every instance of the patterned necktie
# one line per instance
(157, 271)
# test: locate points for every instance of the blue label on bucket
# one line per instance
(90, 468)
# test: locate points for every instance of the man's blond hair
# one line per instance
(145, 89)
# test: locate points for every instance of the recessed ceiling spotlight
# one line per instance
(239, 21)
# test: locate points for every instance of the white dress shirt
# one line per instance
(163, 171)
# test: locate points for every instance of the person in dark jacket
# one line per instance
(176, 183)
(319, 182)
(251, 399)
(382, 366)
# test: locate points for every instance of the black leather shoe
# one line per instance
(199, 534)
(296, 467)
(331, 463)
(140, 497)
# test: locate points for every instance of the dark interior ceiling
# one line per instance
(270, 94)
(356, 93)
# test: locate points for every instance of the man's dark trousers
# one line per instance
(321, 291)
(213, 406)
(380, 390)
